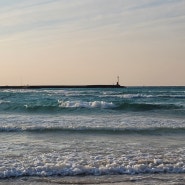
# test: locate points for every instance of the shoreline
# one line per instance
(140, 179)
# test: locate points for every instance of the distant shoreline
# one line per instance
(59, 86)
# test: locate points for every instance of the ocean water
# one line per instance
(96, 132)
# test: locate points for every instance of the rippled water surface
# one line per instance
(72, 132)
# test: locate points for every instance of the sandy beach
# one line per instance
(152, 179)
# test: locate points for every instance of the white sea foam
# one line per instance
(4, 101)
(138, 95)
(80, 104)
(80, 163)
(130, 96)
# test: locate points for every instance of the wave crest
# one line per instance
(80, 104)
(97, 130)
(61, 105)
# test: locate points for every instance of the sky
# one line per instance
(79, 42)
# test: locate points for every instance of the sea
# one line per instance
(95, 135)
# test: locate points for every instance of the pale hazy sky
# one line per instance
(92, 42)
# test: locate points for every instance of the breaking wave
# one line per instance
(80, 104)
(97, 130)
(72, 105)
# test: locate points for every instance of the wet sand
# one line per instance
(152, 179)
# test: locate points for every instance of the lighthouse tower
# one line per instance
(117, 81)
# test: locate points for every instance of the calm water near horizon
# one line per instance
(74, 132)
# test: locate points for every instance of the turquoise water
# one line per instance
(70, 132)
